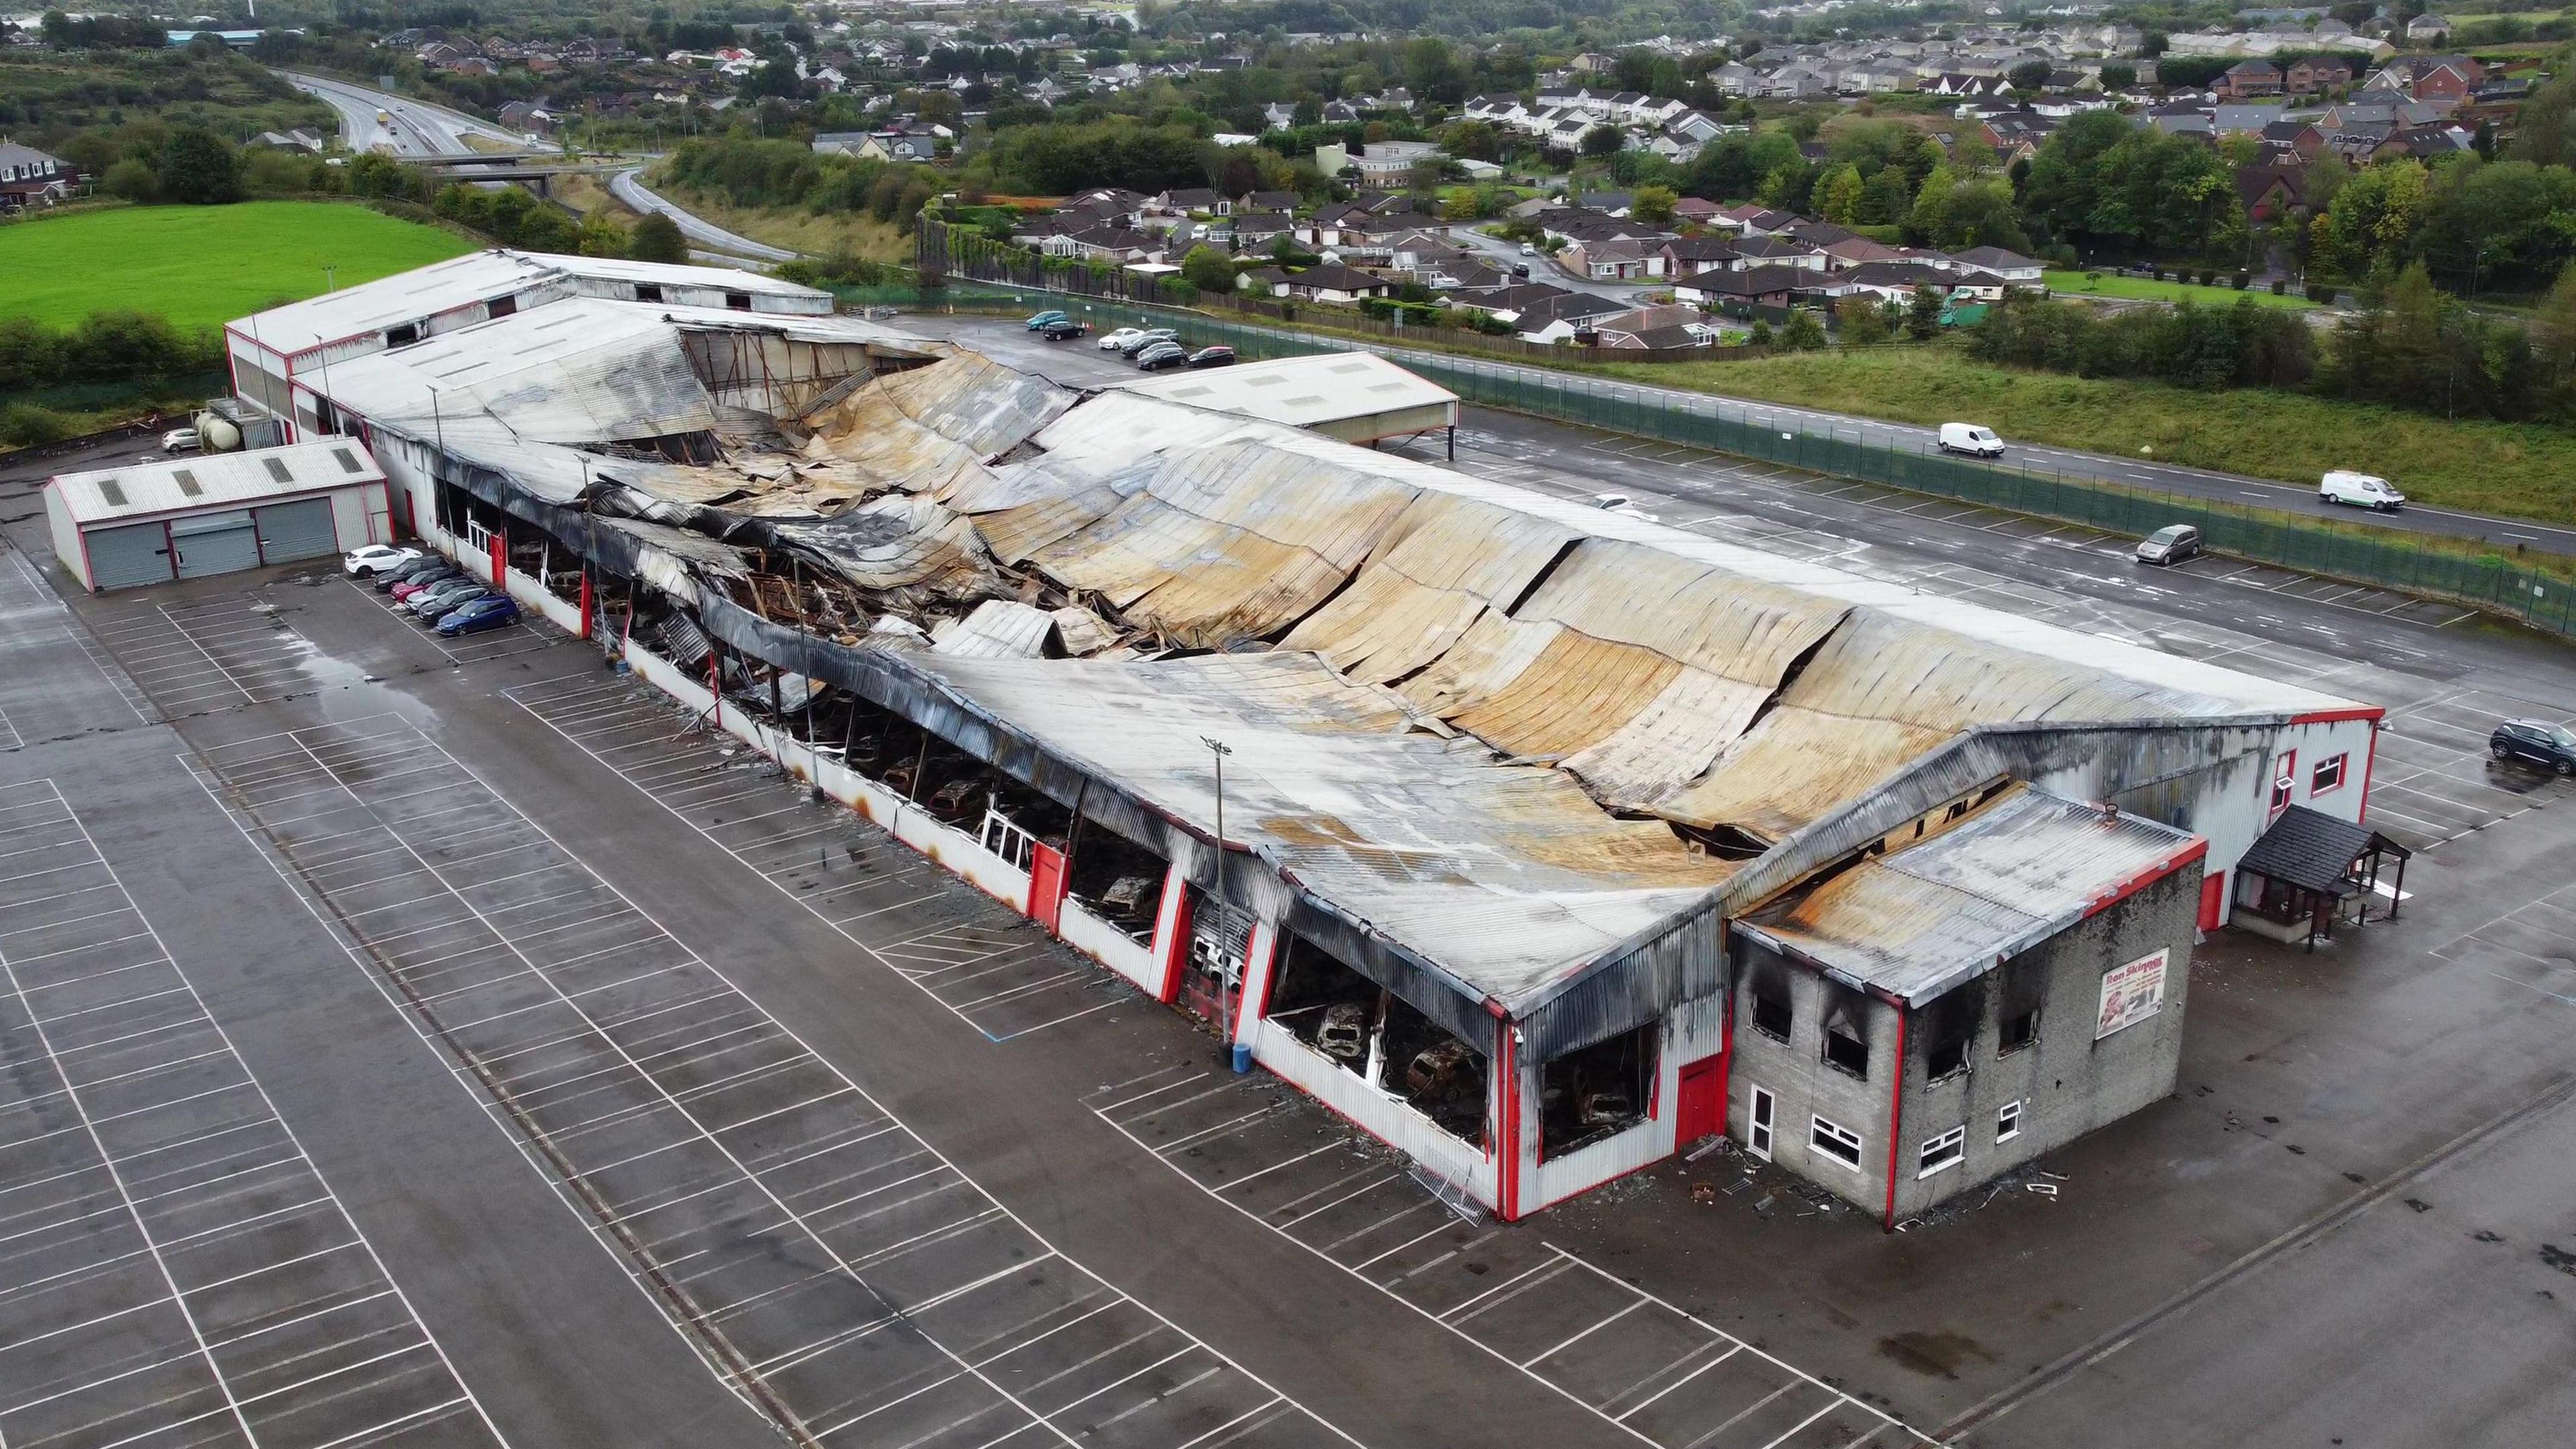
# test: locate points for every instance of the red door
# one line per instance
(2213, 900)
(1702, 1112)
(1046, 885)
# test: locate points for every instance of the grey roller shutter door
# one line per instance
(216, 543)
(120, 558)
(290, 531)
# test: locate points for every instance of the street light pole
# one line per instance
(1224, 912)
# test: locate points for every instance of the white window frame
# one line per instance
(1761, 1128)
(2340, 764)
(1954, 1143)
(2008, 1121)
(1824, 1129)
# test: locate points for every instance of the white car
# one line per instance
(1529, 249)
(1972, 439)
(2361, 490)
(1620, 503)
(375, 558)
(1120, 338)
(180, 440)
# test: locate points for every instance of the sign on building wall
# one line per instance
(2131, 994)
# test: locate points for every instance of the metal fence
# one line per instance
(2491, 581)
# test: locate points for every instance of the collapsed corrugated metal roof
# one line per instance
(1503, 875)
(1914, 923)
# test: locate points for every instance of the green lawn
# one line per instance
(2517, 469)
(198, 265)
(2138, 289)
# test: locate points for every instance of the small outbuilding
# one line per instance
(213, 513)
(2309, 870)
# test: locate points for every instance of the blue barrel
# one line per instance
(1243, 1056)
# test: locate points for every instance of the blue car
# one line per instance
(490, 612)
(1038, 323)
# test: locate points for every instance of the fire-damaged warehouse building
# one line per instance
(1552, 838)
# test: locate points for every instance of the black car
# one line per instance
(1144, 341)
(423, 569)
(2550, 746)
(1062, 328)
(1169, 354)
(1218, 356)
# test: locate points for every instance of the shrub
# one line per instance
(133, 180)
(2321, 293)
(2243, 279)
(2280, 286)
(25, 425)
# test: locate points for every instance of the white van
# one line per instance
(1971, 439)
(2361, 490)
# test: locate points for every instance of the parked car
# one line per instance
(1217, 356)
(438, 598)
(1972, 439)
(1118, 340)
(1136, 346)
(413, 581)
(180, 440)
(1620, 503)
(1162, 355)
(2170, 544)
(1521, 270)
(1063, 328)
(2361, 490)
(1038, 323)
(2550, 746)
(1529, 249)
(386, 581)
(376, 558)
(492, 611)
(447, 609)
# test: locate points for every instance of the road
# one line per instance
(1543, 268)
(628, 187)
(418, 128)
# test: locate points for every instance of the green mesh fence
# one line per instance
(2490, 581)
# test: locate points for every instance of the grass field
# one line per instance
(794, 227)
(2139, 289)
(203, 264)
(2519, 469)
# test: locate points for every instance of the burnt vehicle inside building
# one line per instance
(1550, 835)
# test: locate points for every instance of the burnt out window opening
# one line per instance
(1946, 1026)
(2016, 1031)
(1946, 1059)
(738, 301)
(1327, 1006)
(1432, 1070)
(1834, 1140)
(500, 307)
(1771, 1012)
(1846, 1047)
(1117, 881)
(648, 292)
(403, 336)
(1598, 1092)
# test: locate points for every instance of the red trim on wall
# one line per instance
(1507, 1137)
(585, 603)
(2369, 758)
(1176, 943)
(1895, 1120)
(2193, 850)
(2342, 777)
(2334, 716)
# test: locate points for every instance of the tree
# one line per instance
(1472, 141)
(601, 236)
(2119, 76)
(657, 239)
(1802, 332)
(372, 173)
(2030, 75)
(1863, 324)
(1604, 141)
(1838, 193)
(1923, 315)
(1208, 269)
(133, 180)
(1653, 204)
(1431, 68)
(198, 168)
(1760, 335)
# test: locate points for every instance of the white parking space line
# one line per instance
(999, 977)
(188, 1216)
(517, 637)
(1544, 1312)
(701, 1138)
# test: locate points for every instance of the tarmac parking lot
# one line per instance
(173, 1268)
(896, 1169)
